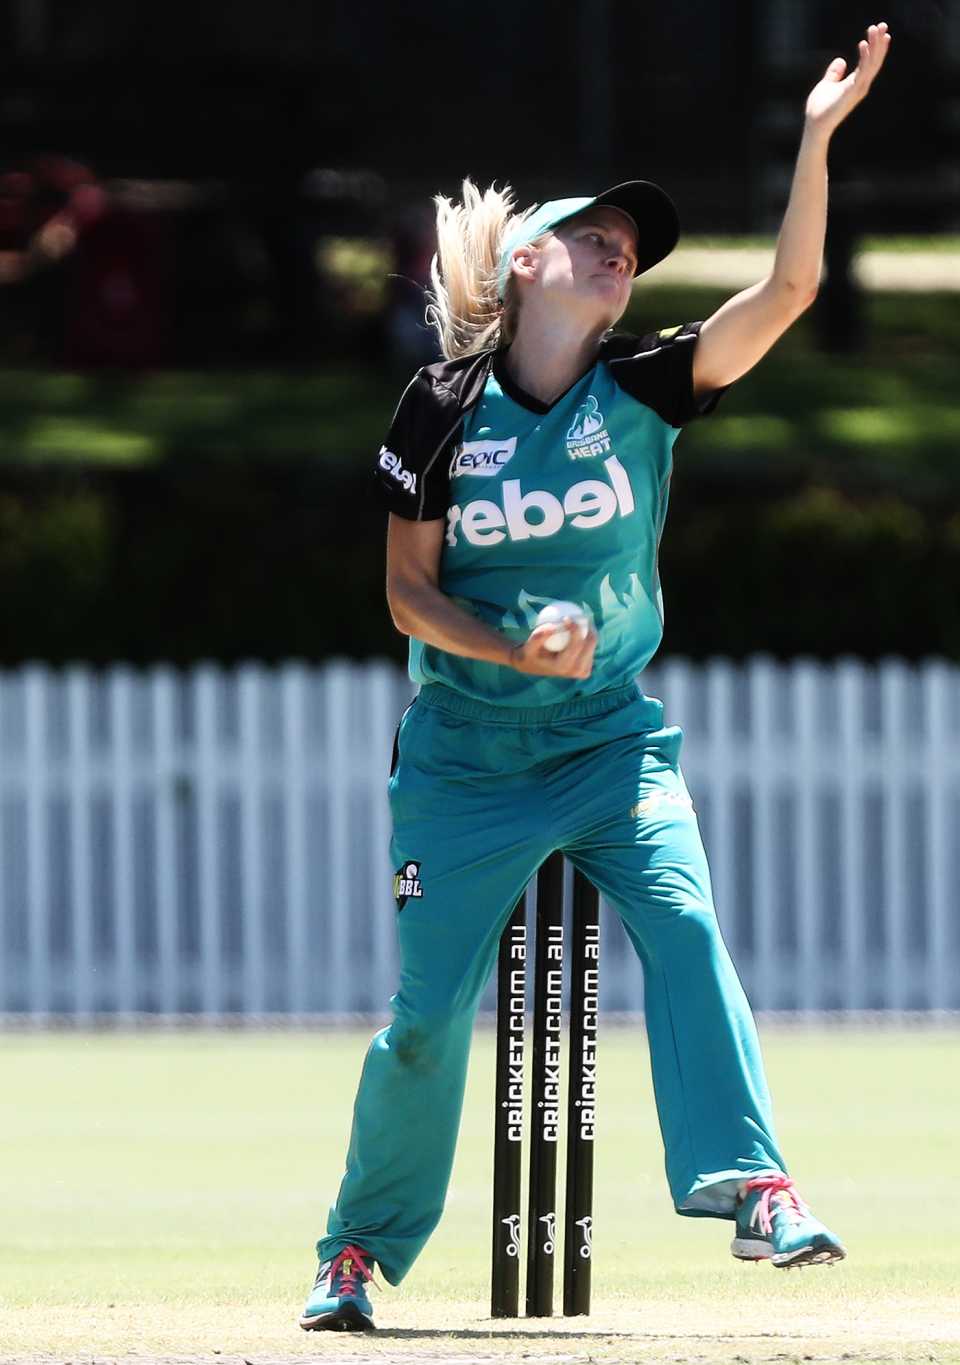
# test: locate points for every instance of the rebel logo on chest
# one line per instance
(537, 513)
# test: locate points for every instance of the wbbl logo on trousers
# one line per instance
(406, 883)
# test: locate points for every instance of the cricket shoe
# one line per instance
(774, 1224)
(338, 1300)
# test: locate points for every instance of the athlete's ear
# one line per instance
(524, 261)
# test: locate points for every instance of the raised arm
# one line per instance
(744, 328)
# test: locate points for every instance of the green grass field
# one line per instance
(161, 1194)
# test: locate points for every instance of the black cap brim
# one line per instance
(653, 213)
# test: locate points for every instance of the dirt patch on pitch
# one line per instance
(683, 1332)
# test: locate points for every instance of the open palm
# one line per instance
(830, 101)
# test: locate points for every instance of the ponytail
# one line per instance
(463, 305)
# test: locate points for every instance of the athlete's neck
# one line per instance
(545, 362)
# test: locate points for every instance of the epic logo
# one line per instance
(391, 464)
(485, 458)
(587, 504)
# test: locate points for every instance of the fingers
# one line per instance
(872, 52)
(575, 661)
(873, 49)
(579, 653)
(540, 634)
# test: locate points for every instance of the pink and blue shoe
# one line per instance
(338, 1300)
(774, 1224)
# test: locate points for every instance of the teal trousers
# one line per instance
(480, 795)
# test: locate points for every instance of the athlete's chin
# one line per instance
(612, 313)
(597, 308)
(610, 296)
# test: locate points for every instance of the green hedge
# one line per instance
(229, 516)
(887, 415)
(184, 563)
(284, 560)
(809, 569)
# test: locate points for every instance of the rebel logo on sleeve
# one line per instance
(392, 465)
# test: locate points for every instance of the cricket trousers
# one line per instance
(480, 796)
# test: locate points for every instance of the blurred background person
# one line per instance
(46, 207)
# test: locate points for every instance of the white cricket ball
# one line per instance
(552, 615)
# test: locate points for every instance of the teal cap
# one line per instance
(650, 209)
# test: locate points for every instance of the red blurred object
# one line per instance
(119, 298)
(50, 188)
(93, 273)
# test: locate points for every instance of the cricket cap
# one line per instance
(650, 209)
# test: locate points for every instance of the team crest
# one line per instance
(407, 884)
(587, 436)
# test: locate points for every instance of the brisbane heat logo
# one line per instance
(406, 884)
(587, 436)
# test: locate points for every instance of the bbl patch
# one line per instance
(406, 884)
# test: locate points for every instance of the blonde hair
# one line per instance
(464, 306)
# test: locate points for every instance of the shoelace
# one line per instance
(352, 1268)
(779, 1190)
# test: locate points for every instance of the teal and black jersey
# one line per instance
(544, 502)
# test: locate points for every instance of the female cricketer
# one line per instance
(533, 465)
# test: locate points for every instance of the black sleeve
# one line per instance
(413, 465)
(657, 370)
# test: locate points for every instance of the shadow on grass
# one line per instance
(517, 1334)
(561, 1334)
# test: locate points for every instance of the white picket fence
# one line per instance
(214, 841)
